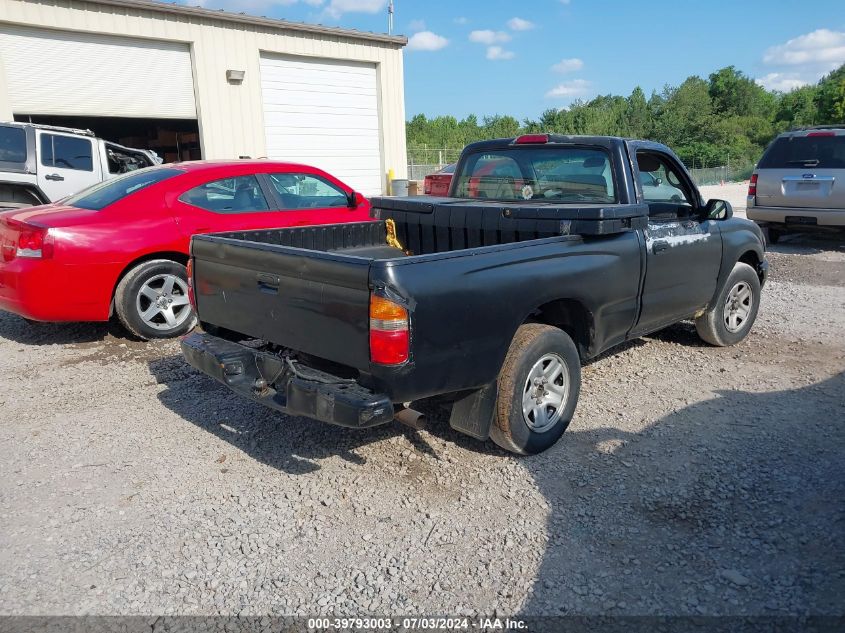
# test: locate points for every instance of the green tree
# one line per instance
(831, 97)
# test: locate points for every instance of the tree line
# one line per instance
(727, 117)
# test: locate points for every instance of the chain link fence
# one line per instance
(721, 173)
(424, 161)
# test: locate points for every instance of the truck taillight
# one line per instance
(189, 272)
(752, 185)
(389, 340)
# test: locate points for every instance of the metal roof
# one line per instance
(243, 18)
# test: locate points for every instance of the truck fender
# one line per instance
(473, 414)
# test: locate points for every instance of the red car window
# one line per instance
(238, 194)
(306, 191)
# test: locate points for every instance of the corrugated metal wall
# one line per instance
(230, 116)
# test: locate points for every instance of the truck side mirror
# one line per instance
(718, 210)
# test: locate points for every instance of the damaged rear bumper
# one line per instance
(289, 387)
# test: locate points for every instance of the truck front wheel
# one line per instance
(538, 389)
(729, 319)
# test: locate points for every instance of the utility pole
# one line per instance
(390, 17)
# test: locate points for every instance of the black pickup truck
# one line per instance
(548, 251)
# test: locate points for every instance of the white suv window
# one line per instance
(66, 152)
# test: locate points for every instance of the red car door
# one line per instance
(314, 198)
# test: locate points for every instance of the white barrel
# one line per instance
(399, 187)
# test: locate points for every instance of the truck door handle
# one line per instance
(55, 177)
(268, 283)
(659, 246)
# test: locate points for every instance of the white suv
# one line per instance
(41, 163)
(800, 182)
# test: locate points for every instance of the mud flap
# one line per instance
(473, 414)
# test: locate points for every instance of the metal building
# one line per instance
(196, 83)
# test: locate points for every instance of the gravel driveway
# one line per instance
(693, 480)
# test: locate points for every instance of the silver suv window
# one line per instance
(822, 149)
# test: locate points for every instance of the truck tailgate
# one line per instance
(312, 301)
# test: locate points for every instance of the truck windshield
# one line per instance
(824, 152)
(110, 191)
(566, 174)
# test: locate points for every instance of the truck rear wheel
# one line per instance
(151, 300)
(729, 319)
(539, 384)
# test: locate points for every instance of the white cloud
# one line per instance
(822, 46)
(337, 8)
(570, 89)
(416, 25)
(783, 82)
(460, 20)
(497, 53)
(569, 65)
(518, 24)
(313, 3)
(803, 60)
(426, 41)
(488, 37)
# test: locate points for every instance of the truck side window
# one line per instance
(66, 152)
(305, 191)
(661, 183)
(241, 194)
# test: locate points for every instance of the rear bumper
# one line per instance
(298, 390)
(797, 216)
(47, 290)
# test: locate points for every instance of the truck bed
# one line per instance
(308, 288)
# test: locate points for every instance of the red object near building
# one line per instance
(121, 247)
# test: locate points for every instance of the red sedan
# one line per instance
(437, 184)
(121, 247)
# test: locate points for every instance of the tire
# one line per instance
(773, 235)
(145, 288)
(535, 346)
(734, 310)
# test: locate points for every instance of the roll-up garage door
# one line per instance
(87, 74)
(324, 113)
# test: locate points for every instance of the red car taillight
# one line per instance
(752, 185)
(189, 272)
(389, 340)
(31, 241)
(427, 185)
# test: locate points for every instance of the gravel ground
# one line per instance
(693, 480)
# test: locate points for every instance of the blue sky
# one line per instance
(522, 57)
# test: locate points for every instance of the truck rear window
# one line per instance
(824, 152)
(560, 174)
(110, 191)
(12, 144)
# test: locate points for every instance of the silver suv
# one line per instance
(800, 182)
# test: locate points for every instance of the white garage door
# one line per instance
(85, 74)
(324, 113)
